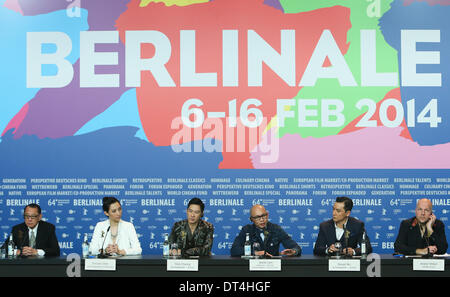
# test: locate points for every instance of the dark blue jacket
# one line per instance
(275, 236)
(327, 237)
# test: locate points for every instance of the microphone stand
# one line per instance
(428, 254)
(21, 234)
(266, 239)
(102, 254)
(346, 236)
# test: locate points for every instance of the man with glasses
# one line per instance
(193, 236)
(264, 236)
(35, 237)
(423, 234)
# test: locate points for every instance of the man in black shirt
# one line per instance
(423, 234)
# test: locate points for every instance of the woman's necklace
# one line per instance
(114, 235)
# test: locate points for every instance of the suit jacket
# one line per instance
(201, 242)
(409, 238)
(327, 237)
(274, 236)
(45, 240)
(126, 238)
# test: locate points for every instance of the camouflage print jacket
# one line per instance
(202, 240)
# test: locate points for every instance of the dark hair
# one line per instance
(348, 203)
(33, 205)
(198, 202)
(107, 201)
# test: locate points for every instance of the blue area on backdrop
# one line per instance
(422, 16)
(69, 176)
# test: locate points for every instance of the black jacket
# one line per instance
(409, 238)
(46, 238)
(327, 237)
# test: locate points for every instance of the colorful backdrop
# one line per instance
(286, 103)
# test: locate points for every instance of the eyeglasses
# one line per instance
(261, 217)
(30, 217)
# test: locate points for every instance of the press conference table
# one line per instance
(215, 266)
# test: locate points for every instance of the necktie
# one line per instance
(32, 240)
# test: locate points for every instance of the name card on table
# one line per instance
(344, 265)
(100, 264)
(265, 264)
(429, 265)
(182, 265)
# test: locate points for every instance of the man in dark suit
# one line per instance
(35, 237)
(266, 235)
(423, 234)
(343, 229)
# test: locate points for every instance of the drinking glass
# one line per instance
(256, 248)
(3, 253)
(338, 246)
(174, 250)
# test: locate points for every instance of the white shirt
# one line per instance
(339, 233)
(126, 238)
(35, 230)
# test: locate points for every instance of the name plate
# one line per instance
(344, 265)
(428, 264)
(265, 264)
(182, 265)
(100, 264)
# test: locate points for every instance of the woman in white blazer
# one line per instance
(114, 235)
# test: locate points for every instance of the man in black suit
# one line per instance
(342, 228)
(35, 237)
(423, 234)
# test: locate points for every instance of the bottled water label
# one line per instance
(166, 250)
(247, 250)
(85, 251)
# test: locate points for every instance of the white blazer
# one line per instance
(126, 238)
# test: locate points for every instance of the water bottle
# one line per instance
(166, 246)
(363, 246)
(11, 247)
(247, 246)
(85, 246)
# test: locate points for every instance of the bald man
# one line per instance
(266, 236)
(423, 234)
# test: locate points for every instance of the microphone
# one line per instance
(427, 239)
(346, 236)
(266, 239)
(22, 237)
(102, 254)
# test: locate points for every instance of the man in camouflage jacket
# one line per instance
(197, 242)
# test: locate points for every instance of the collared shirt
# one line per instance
(261, 234)
(340, 231)
(339, 234)
(35, 230)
